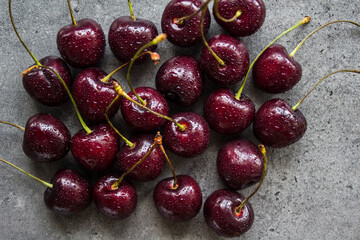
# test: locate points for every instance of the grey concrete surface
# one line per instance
(312, 187)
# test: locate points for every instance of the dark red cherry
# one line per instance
(46, 138)
(71, 192)
(127, 36)
(179, 204)
(240, 164)
(275, 71)
(180, 80)
(252, 16)
(44, 86)
(116, 203)
(277, 125)
(150, 168)
(221, 216)
(234, 54)
(225, 114)
(187, 33)
(93, 96)
(141, 119)
(82, 45)
(193, 140)
(97, 150)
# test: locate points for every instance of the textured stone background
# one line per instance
(312, 187)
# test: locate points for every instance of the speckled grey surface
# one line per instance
(312, 187)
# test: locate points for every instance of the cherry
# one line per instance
(180, 80)
(189, 142)
(141, 119)
(82, 43)
(178, 202)
(116, 203)
(252, 16)
(150, 168)
(181, 25)
(240, 164)
(96, 150)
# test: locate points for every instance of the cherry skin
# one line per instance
(180, 204)
(188, 33)
(93, 96)
(46, 138)
(277, 125)
(141, 119)
(150, 168)
(82, 45)
(225, 114)
(97, 150)
(71, 192)
(117, 203)
(180, 80)
(240, 164)
(193, 140)
(44, 86)
(252, 16)
(127, 36)
(234, 54)
(220, 213)
(275, 71)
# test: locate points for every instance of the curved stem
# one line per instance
(18, 35)
(121, 92)
(227, 20)
(131, 11)
(49, 185)
(302, 42)
(86, 128)
(71, 13)
(303, 21)
(130, 144)
(220, 61)
(175, 185)
(263, 152)
(14, 125)
(155, 41)
(180, 21)
(343, 70)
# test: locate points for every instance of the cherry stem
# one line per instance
(303, 21)
(71, 13)
(130, 144)
(227, 20)
(343, 70)
(86, 128)
(153, 42)
(49, 185)
(131, 11)
(263, 152)
(18, 35)
(175, 185)
(14, 125)
(302, 42)
(180, 21)
(121, 92)
(153, 146)
(220, 61)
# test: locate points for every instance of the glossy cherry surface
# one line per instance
(180, 204)
(277, 125)
(180, 80)
(116, 203)
(225, 114)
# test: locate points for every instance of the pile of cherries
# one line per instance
(97, 97)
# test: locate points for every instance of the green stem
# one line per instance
(303, 21)
(263, 152)
(175, 185)
(14, 125)
(71, 13)
(180, 21)
(302, 42)
(49, 185)
(18, 35)
(86, 128)
(227, 20)
(343, 70)
(131, 11)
